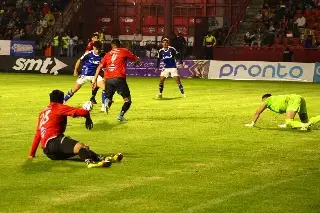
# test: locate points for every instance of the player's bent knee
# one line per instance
(78, 146)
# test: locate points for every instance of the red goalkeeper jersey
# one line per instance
(52, 122)
(115, 62)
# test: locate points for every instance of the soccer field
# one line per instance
(188, 155)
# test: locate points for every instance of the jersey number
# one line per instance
(44, 118)
(112, 67)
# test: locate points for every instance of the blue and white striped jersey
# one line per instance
(90, 63)
(168, 56)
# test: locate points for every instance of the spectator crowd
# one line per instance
(288, 22)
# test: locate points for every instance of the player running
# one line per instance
(115, 75)
(95, 37)
(289, 104)
(91, 61)
(51, 126)
(168, 54)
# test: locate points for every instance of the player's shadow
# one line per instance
(63, 166)
(283, 129)
(105, 125)
(168, 99)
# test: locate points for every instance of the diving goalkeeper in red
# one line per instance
(50, 130)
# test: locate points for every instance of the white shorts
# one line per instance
(167, 71)
(82, 79)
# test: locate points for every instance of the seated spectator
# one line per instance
(301, 21)
(257, 40)
(50, 19)
(249, 37)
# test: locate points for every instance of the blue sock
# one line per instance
(103, 96)
(68, 95)
(181, 88)
(161, 88)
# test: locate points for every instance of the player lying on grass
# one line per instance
(115, 74)
(168, 54)
(289, 104)
(90, 61)
(51, 126)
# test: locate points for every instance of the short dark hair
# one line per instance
(97, 44)
(95, 35)
(57, 96)
(116, 42)
(266, 96)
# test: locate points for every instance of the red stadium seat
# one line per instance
(285, 42)
(316, 13)
(308, 12)
(277, 41)
(298, 12)
(296, 42)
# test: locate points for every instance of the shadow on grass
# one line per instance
(283, 129)
(105, 125)
(39, 165)
(167, 99)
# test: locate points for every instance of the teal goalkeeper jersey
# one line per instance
(279, 103)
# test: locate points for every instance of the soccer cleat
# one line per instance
(121, 119)
(93, 100)
(104, 163)
(115, 158)
(159, 95)
(282, 125)
(306, 127)
(103, 108)
(184, 95)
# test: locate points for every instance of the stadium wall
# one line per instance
(232, 70)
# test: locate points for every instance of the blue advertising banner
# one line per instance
(22, 48)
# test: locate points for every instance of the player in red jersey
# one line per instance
(115, 75)
(52, 124)
(95, 37)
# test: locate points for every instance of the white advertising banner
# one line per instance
(260, 70)
(5, 47)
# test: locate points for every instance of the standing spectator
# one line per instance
(287, 55)
(65, 43)
(209, 42)
(137, 38)
(181, 45)
(56, 48)
(308, 42)
(70, 45)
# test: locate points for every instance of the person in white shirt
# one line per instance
(301, 21)
(137, 38)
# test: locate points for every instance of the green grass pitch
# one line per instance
(180, 155)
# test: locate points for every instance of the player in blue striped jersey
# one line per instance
(90, 61)
(169, 55)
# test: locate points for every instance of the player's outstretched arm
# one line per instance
(257, 115)
(76, 67)
(35, 143)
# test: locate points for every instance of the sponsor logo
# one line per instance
(316, 76)
(255, 70)
(22, 48)
(48, 65)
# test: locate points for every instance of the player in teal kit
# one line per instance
(289, 104)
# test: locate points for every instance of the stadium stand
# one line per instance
(28, 19)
